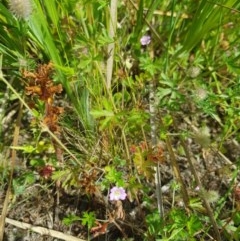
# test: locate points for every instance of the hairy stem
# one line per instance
(152, 110)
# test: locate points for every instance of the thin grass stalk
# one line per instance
(207, 17)
(228, 193)
(40, 32)
(173, 22)
(109, 94)
(111, 46)
(197, 179)
(13, 159)
(205, 201)
(155, 33)
(125, 144)
(154, 5)
(154, 140)
(169, 14)
(176, 171)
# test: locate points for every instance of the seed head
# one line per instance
(201, 94)
(22, 9)
(193, 71)
(212, 196)
(202, 137)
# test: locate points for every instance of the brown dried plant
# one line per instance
(41, 85)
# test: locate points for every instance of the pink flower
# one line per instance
(117, 193)
(145, 40)
(197, 188)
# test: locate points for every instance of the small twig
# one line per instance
(13, 158)
(43, 231)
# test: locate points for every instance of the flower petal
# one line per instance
(145, 40)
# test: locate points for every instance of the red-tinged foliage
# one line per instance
(99, 229)
(145, 158)
(87, 182)
(40, 85)
(46, 171)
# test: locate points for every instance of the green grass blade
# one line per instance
(207, 17)
(153, 7)
(40, 32)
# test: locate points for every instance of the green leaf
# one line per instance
(193, 225)
(85, 62)
(114, 176)
(25, 148)
(207, 17)
(236, 219)
(107, 122)
(162, 92)
(52, 12)
(196, 204)
(233, 67)
(18, 188)
(154, 224)
(147, 64)
(178, 234)
(104, 38)
(70, 219)
(37, 162)
(144, 166)
(88, 219)
(29, 178)
(101, 113)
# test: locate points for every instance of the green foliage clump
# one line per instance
(136, 114)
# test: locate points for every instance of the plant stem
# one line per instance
(206, 203)
(13, 158)
(111, 46)
(176, 172)
(152, 110)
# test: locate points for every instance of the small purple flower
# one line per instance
(145, 40)
(117, 193)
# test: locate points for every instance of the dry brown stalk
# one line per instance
(197, 179)
(13, 158)
(43, 231)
